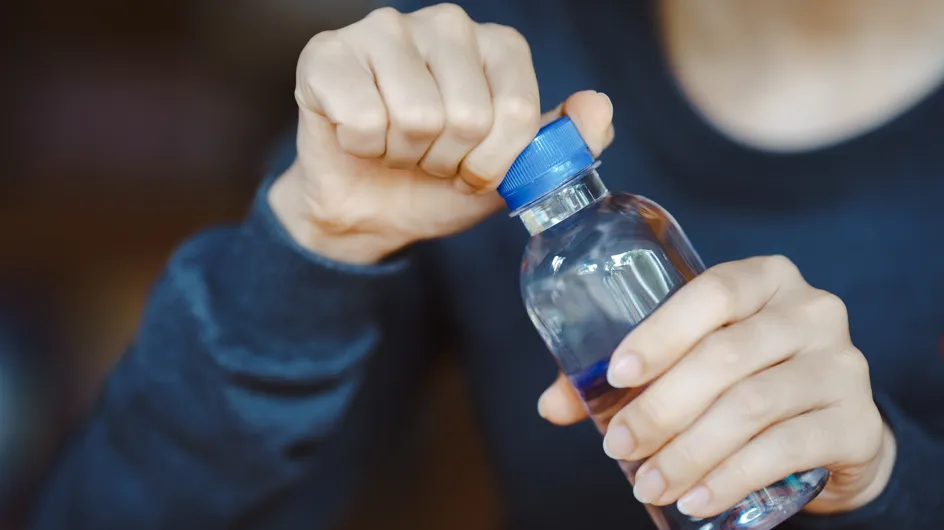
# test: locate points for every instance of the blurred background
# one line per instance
(132, 126)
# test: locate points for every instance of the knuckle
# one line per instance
(781, 266)
(469, 122)
(438, 168)
(301, 97)
(835, 305)
(307, 85)
(325, 44)
(448, 18)
(306, 88)
(753, 401)
(685, 458)
(523, 109)
(719, 349)
(424, 120)
(476, 175)
(720, 289)
(824, 305)
(385, 20)
(651, 412)
(852, 361)
(368, 122)
(384, 16)
(509, 37)
(802, 445)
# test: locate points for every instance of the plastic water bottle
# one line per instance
(597, 264)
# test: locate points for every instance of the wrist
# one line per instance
(288, 201)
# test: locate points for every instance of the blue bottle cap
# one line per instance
(556, 154)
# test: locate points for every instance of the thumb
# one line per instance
(592, 113)
(560, 403)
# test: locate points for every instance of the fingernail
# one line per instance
(625, 371)
(618, 443)
(696, 499)
(649, 487)
(542, 404)
(463, 187)
(608, 100)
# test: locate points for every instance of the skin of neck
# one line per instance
(772, 28)
(798, 74)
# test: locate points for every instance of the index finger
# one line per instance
(333, 84)
(722, 295)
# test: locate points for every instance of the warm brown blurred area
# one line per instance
(134, 125)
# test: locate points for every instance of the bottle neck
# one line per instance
(583, 190)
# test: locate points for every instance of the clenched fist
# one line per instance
(408, 123)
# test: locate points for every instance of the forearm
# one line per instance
(249, 356)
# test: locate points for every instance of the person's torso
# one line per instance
(863, 219)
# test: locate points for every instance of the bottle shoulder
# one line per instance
(617, 224)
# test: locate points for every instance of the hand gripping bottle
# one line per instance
(597, 264)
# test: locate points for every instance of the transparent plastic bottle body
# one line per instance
(596, 266)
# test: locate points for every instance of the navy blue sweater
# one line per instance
(263, 376)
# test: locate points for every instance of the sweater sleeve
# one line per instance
(914, 496)
(249, 357)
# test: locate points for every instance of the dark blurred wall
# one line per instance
(132, 126)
